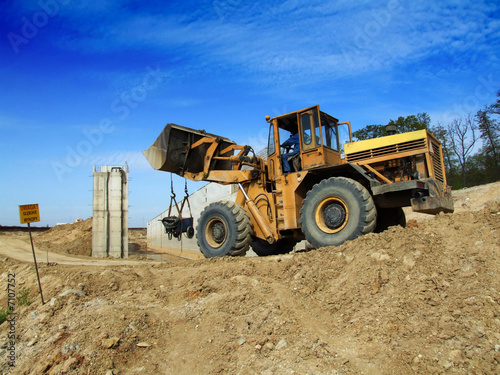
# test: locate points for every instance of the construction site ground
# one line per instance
(423, 299)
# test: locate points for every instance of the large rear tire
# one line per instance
(263, 248)
(224, 228)
(336, 210)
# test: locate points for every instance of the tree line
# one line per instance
(471, 143)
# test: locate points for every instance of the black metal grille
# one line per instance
(395, 149)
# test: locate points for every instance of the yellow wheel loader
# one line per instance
(333, 193)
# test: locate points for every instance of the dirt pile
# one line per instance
(424, 299)
(75, 239)
(470, 199)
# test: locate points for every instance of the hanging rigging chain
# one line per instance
(186, 198)
(172, 198)
(176, 225)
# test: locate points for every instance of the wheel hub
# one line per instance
(331, 215)
(218, 232)
(334, 215)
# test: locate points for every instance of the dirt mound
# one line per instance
(470, 199)
(75, 239)
(477, 197)
(424, 299)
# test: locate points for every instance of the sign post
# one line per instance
(29, 213)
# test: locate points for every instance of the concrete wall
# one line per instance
(157, 238)
(110, 213)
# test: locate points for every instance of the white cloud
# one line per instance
(296, 43)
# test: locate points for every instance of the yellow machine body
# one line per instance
(391, 172)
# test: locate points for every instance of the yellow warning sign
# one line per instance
(29, 213)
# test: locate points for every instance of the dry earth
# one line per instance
(76, 239)
(425, 299)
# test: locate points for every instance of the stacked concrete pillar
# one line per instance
(110, 213)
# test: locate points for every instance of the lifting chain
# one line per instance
(175, 225)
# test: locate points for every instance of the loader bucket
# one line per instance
(172, 151)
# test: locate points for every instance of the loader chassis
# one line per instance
(329, 197)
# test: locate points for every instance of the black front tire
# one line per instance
(224, 228)
(336, 210)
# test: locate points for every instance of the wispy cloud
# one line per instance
(334, 40)
(276, 42)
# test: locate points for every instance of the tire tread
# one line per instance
(367, 221)
(242, 224)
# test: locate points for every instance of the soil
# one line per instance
(423, 299)
(76, 239)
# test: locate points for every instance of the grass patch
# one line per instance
(23, 297)
(3, 315)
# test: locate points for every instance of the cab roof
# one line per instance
(288, 121)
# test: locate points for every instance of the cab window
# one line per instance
(305, 119)
(271, 149)
(330, 132)
(311, 136)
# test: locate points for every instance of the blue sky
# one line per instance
(94, 83)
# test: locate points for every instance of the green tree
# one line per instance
(369, 132)
(475, 169)
(495, 107)
(412, 123)
(450, 161)
(489, 127)
(403, 125)
(489, 130)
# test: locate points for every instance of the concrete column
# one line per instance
(124, 209)
(99, 216)
(110, 213)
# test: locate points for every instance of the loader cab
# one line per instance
(320, 140)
